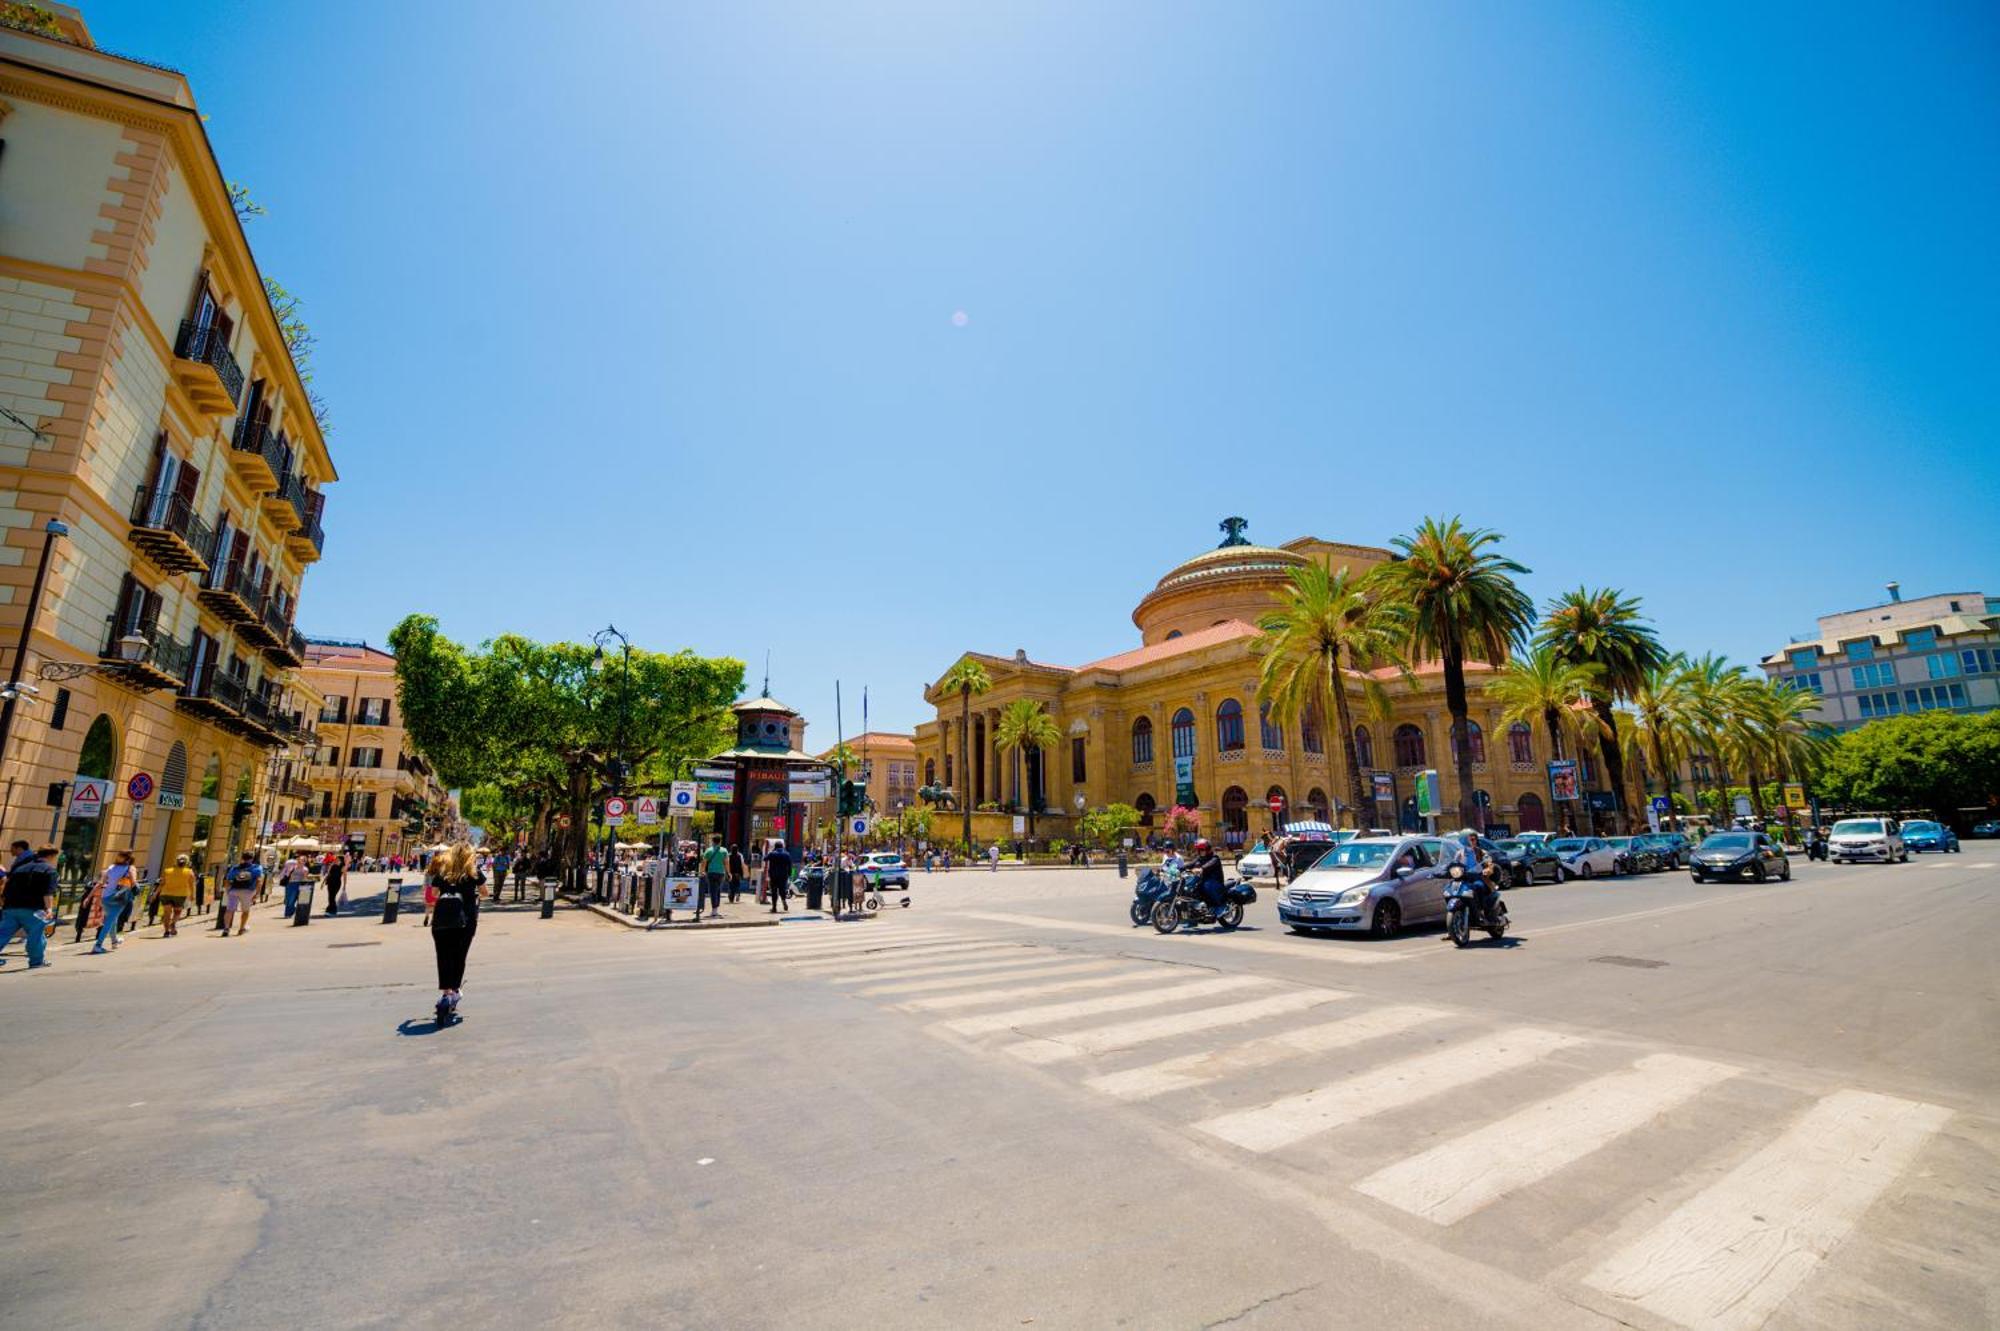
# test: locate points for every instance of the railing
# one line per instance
(256, 437)
(233, 579)
(313, 532)
(200, 343)
(294, 491)
(257, 711)
(275, 619)
(217, 686)
(162, 653)
(163, 510)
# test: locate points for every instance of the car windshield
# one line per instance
(1511, 845)
(1858, 827)
(1622, 842)
(1727, 841)
(1357, 855)
(1920, 826)
(1569, 843)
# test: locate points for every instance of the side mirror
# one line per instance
(1403, 871)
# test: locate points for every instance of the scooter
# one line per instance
(1184, 906)
(1461, 907)
(1154, 886)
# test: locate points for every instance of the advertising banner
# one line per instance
(681, 894)
(1184, 779)
(1562, 779)
(1385, 788)
(1427, 793)
(708, 791)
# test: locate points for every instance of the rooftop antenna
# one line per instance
(1895, 591)
(767, 672)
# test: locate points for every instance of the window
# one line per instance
(1807, 679)
(1409, 743)
(1364, 747)
(1520, 743)
(1803, 658)
(374, 712)
(369, 758)
(1874, 676)
(1920, 640)
(1269, 732)
(61, 712)
(1944, 665)
(1183, 733)
(358, 804)
(1316, 804)
(930, 771)
(334, 710)
(1229, 726)
(1142, 740)
(1861, 649)
(1929, 699)
(1874, 705)
(1976, 660)
(1309, 732)
(1144, 804)
(328, 755)
(1076, 758)
(1478, 743)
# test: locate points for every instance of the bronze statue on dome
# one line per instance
(1232, 532)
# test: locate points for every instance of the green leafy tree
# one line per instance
(1458, 602)
(1604, 629)
(1661, 727)
(1937, 762)
(1541, 688)
(1025, 726)
(1327, 625)
(1109, 826)
(965, 679)
(1717, 702)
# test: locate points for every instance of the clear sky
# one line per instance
(646, 313)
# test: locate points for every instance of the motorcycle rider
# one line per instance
(1206, 871)
(1480, 869)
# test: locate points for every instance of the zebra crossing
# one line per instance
(1502, 1113)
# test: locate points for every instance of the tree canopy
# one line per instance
(1937, 761)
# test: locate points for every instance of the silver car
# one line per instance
(1867, 839)
(1372, 885)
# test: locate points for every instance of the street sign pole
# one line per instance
(839, 783)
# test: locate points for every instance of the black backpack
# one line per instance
(449, 912)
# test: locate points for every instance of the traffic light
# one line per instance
(853, 798)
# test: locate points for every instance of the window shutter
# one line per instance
(121, 619)
(187, 482)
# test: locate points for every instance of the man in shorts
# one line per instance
(241, 885)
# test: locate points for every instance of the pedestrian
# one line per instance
(452, 885)
(28, 901)
(993, 858)
(175, 886)
(115, 887)
(714, 868)
(241, 884)
(291, 873)
(430, 899)
(735, 870)
(778, 873)
(336, 879)
(501, 864)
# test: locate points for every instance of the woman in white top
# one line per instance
(115, 887)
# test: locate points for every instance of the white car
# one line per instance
(1867, 839)
(1254, 864)
(1586, 856)
(885, 868)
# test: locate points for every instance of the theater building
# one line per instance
(1177, 716)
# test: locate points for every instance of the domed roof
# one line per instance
(1231, 559)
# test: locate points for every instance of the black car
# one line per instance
(1523, 862)
(1637, 855)
(1672, 847)
(1740, 855)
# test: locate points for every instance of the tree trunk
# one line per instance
(965, 761)
(1344, 718)
(1553, 721)
(1756, 794)
(1614, 761)
(1454, 703)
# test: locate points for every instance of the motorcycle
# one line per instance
(1153, 887)
(1184, 906)
(1816, 848)
(1461, 905)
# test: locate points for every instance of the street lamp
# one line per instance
(12, 693)
(617, 766)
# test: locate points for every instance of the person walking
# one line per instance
(175, 886)
(240, 893)
(28, 902)
(291, 873)
(714, 868)
(736, 869)
(778, 872)
(115, 888)
(336, 878)
(454, 881)
(993, 857)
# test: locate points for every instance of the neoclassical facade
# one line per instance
(1180, 710)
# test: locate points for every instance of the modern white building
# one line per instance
(1926, 654)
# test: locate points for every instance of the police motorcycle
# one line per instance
(1461, 905)
(1183, 905)
(1153, 887)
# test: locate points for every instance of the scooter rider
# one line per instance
(1480, 868)
(1206, 870)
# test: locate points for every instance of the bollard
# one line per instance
(302, 913)
(392, 900)
(548, 898)
(1121, 864)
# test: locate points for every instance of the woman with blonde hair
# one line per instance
(454, 919)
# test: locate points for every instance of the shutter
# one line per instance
(187, 482)
(120, 619)
(153, 467)
(149, 612)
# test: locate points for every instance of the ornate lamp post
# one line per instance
(617, 766)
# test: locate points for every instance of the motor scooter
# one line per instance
(1460, 908)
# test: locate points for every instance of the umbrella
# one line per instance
(298, 843)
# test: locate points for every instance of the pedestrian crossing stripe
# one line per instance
(1125, 1035)
(987, 997)
(853, 937)
(1003, 958)
(914, 952)
(1048, 1013)
(1190, 1070)
(1036, 970)
(843, 947)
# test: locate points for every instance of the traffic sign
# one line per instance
(1661, 804)
(1277, 803)
(680, 797)
(139, 787)
(562, 820)
(614, 808)
(858, 826)
(88, 795)
(646, 809)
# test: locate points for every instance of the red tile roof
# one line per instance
(1229, 630)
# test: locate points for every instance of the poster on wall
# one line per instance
(1562, 779)
(1184, 779)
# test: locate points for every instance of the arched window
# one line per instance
(99, 758)
(1520, 743)
(1235, 815)
(930, 771)
(1316, 804)
(1309, 731)
(1144, 804)
(1142, 740)
(1478, 738)
(1229, 726)
(1409, 746)
(1183, 729)
(1529, 809)
(1364, 747)
(1270, 733)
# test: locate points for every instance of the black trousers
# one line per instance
(332, 897)
(452, 945)
(735, 887)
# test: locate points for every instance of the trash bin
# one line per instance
(815, 888)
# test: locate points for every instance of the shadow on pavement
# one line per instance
(416, 1026)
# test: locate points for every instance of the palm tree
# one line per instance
(1460, 602)
(1321, 617)
(1777, 729)
(1543, 688)
(1024, 725)
(1716, 692)
(1603, 628)
(1661, 721)
(965, 679)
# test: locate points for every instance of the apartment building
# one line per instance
(161, 471)
(371, 791)
(1929, 653)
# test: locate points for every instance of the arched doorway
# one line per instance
(208, 803)
(1530, 814)
(1284, 809)
(1145, 805)
(1317, 805)
(1235, 816)
(82, 837)
(172, 797)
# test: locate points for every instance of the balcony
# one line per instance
(166, 531)
(229, 594)
(205, 370)
(258, 454)
(283, 504)
(146, 659)
(268, 628)
(259, 720)
(295, 789)
(308, 542)
(213, 696)
(289, 651)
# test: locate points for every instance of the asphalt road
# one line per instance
(1656, 1105)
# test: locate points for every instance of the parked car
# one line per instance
(1254, 864)
(885, 868)
(1524, 862)
(1531, 836)
(1673, 847)
(1989, 828)
(1855, 839)
(1372, 885)
(1586, 856)
(1921, 834)
(1751, 855)
(1636, 855)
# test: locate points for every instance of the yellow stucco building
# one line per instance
(159, 460)
(1178, 715)
(367, 784)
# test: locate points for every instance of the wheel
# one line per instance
(871, 903)
(1699, 876)
(1759, 874)
(1497, 930)
(1785, 872)
(1388, 919)
(1457, 925)
(1522, 877)
(1232, 916)
(1141, 912)
(1165, 918)
(1562, 875)
(1585, 872)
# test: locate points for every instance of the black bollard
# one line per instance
(302, 913)
(548, 898)
(392, 900)
(1121, 864)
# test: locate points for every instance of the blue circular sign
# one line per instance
(139, 787)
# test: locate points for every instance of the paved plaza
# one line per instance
(1656, 1105)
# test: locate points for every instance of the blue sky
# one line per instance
(644, 313)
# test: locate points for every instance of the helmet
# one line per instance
(1466, 834)
(1201, 843)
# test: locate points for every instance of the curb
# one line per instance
(651, 926)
